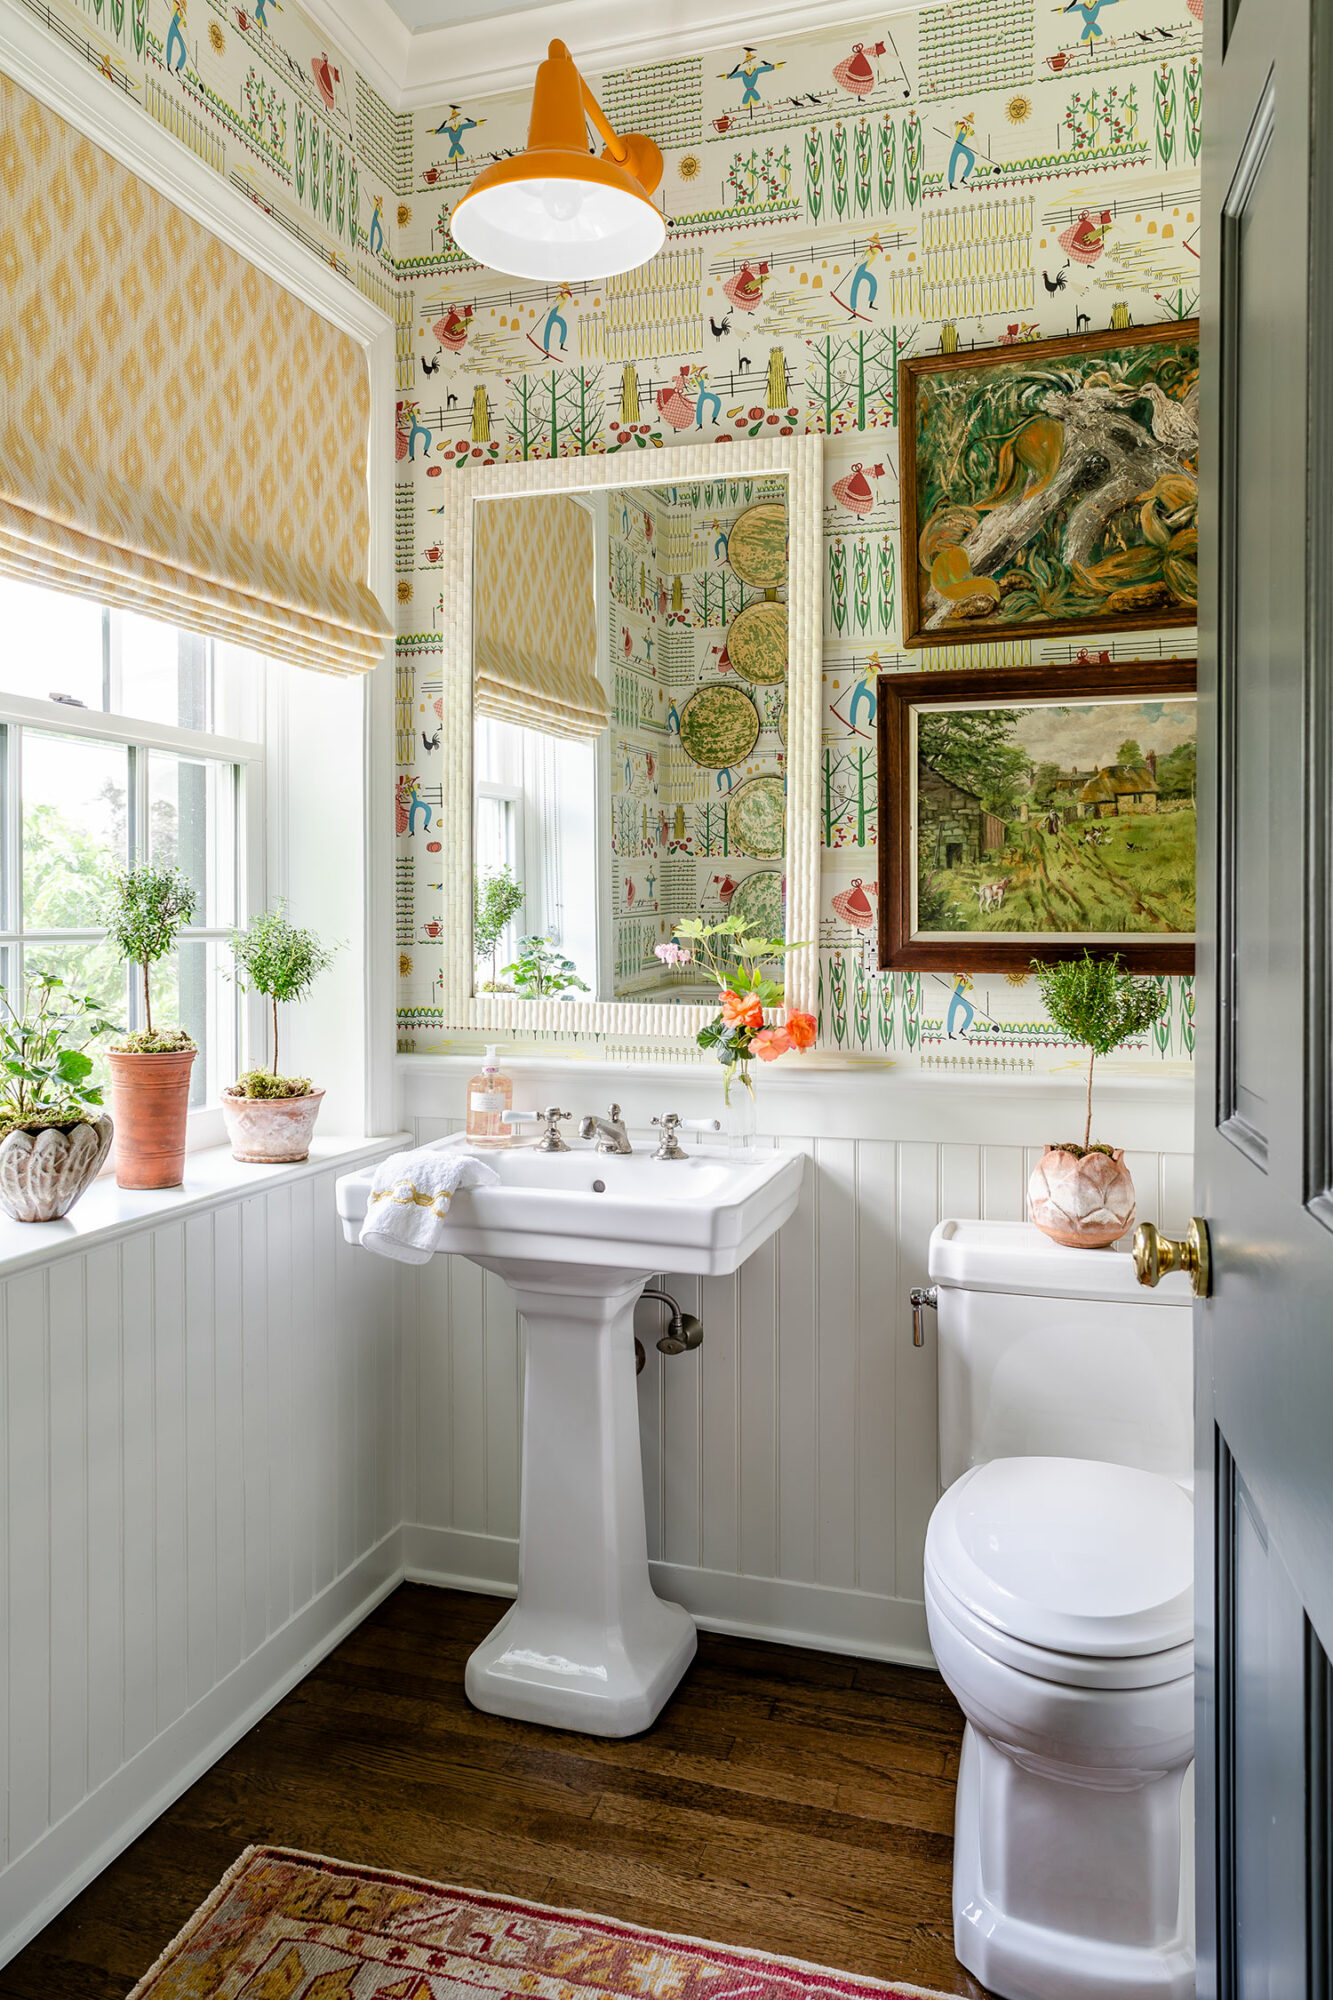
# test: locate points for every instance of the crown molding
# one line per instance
(484, 58)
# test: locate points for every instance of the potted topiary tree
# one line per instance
(150, 1069)
(496, 900)
(1083, 1196)
(268, 1116)
(54, 1135)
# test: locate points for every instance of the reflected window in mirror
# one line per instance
(630, 669)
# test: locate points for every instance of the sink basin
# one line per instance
(587, 1644)
(703, 1215)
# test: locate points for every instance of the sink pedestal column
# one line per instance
(588, 1645)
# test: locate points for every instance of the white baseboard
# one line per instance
(856, 1622)
(41, 1881)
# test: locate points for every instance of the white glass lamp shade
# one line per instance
(556, 228)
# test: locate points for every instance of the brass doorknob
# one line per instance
(1154, 1255)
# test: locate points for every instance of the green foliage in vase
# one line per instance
(277, 958)
(44, 1070)
(150, 905)
(496, 900)
(1095, 1002)
(541, 971)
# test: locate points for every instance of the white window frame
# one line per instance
(51, 718)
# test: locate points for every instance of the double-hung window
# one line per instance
(123, 740)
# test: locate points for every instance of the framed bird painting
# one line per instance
(1051, 486)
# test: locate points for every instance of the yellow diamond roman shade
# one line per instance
(178, 433)
(534, 615)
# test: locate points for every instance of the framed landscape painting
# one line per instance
(1032, 815)
(1051, 486)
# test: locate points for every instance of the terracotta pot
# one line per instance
(42, 1174)
(271, 1128)
(1083, 1201)
(150, 1096)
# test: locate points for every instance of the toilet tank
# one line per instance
(1062, 1353)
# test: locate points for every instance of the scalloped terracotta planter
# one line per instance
(271, 1128)
(1084, 1201)
(150, 1098)
(42, 1174)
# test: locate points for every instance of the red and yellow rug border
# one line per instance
(825, 1978)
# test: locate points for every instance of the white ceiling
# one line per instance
(422, 15)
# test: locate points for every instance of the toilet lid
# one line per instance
(1070, 1554)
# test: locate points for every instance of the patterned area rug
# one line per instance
(289, 1926)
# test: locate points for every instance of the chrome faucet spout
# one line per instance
(609, 1132)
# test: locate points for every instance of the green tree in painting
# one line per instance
(1177, 772)
(973, 749)
(1045, 784)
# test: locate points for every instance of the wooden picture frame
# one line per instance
(1004, 532)
(1082, 835)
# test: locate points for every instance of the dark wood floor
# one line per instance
(792, 1801)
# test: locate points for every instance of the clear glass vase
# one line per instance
(740, 1119)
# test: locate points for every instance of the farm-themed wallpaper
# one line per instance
(980, 172)
(698, 741)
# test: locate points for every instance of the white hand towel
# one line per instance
(409, 1200)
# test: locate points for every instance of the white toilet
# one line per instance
(1059, 1573)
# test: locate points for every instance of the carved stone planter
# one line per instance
(42, 1174)
(271, 1128)
(1085, 1201)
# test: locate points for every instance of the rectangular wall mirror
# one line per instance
(636, 731)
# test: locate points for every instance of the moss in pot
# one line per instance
(54, 1134)
(1083, 1196)
(150, 1068)
(270, 1116)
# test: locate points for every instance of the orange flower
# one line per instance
(802, 1029)
(741, 1010)
(770, 1043)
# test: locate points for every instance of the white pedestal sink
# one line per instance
(588, 1644)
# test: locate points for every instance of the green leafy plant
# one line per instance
(150, 906)
(44, 1067)
(496, 900)
(541, 970)
(1095, 1002)
(735, 960)
(277, 958)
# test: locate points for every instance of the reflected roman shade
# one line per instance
(178, 433)
(534, 636)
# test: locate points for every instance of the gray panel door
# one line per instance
(1265, 1080)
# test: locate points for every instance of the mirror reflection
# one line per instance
(630, 714)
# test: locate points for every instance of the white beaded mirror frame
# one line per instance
(798, 460)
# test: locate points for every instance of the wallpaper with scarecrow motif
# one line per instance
(698, 739)
(976, 173)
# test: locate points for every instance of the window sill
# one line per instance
(107, 1213)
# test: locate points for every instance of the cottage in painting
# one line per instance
(955, 826)
(1120, 788)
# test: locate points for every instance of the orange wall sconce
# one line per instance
(556, 210)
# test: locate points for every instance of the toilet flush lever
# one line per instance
(1155, 1255)
(921, 1297)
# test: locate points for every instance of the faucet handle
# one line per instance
(550, 1141)
(670, 1147)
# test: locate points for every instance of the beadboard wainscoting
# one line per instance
(200, 1494)
(790, 1463)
